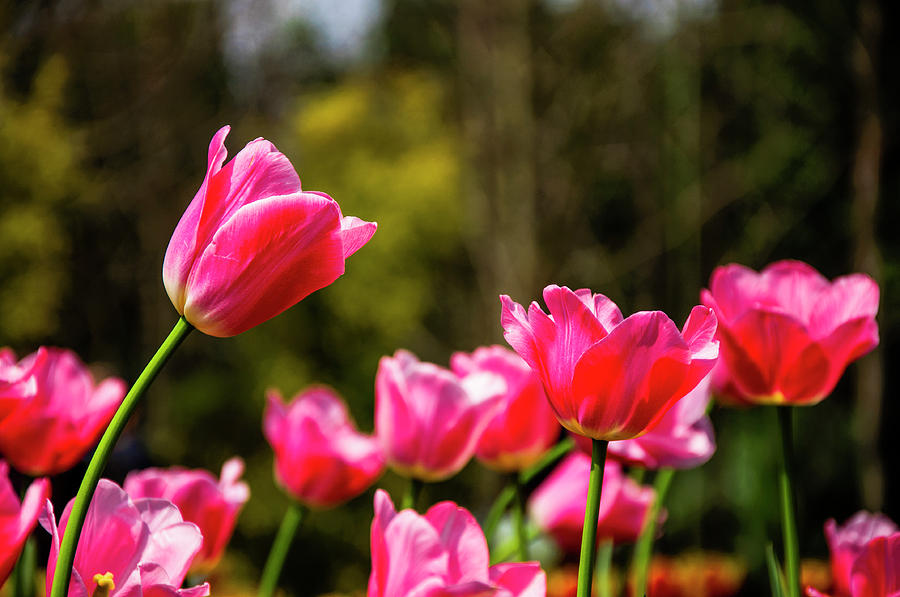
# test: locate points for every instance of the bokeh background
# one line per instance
(625, 146)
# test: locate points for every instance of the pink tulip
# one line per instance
(59, 413)
(524, 427)
(609, 378)
(427, 419)
(17, 382)
(212, 504)
(17, 519)
(128, 548)
(320, 457)
(788, 333)
(558, 504)
(875, 571)
(682, 439)
(848, 541)
(441, 554)
(252, 243)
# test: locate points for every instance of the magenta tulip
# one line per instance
(609, 378)
(17, 519)
(252, 243)
(848, 541)
(59, 414)
(875, 571)
(558, 504)
(441, 554)
(682, 439)
(127, 548)
(788, 333)
(212, 504)
(320, 457)
(524, 427)
(428, 420)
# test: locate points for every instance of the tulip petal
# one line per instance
(355, 233)
(271, 254)
(464, 541)
(525, 579)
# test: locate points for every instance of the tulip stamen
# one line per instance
(105, 585)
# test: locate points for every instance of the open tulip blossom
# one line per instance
(609, 377)
(17, 519)
(441, 554)
(55, 412)
(875, 572)
(252, 243)
(212, 504)
(127, 547)
(846, 542)
(787, 333)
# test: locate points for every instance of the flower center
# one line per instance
(105, 585)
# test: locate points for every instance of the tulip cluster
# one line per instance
(252, 243)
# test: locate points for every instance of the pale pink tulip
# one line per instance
(252, 243)
(788, 333)
(441, 554)
(320, 457)
(427, 419)
(609, 378)
(682, 439)
(558, 504)
(59, 415)
(127, 548)
(212, 504)
(17, 519)
(524, 427)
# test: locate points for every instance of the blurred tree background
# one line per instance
(628, 147)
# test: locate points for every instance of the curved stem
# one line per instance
(591, 513)
(643, 550)
(413, 491)
(280, 548)
(63, 572)
(519, 519)
(786, 488)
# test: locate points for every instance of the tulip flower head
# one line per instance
(212, 504)
(609, 377)
(428, 420)
(848, 541)
(787, 333)
(252, 243)
(320, 457)
(59, 413)
(558, 504)
(875, 571)
(127, 548)
(682, 439)
(440, 554)
(524, 427)
(17, 519)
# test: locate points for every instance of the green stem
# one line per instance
(591, 513)
(604, 568)
(24, 572)
(497, 509)
(643, 550)
(413, 491)
(786, 488)
(519, 519)
(280, 548)
(63, 572)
